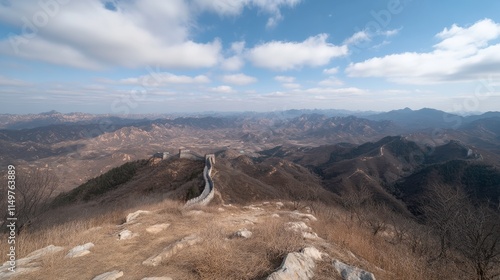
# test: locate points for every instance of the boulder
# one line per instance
(125, 234)
(243, 233)
(172, 249)
(298, 215)
(157, 228)
(112, 275)
(29, 263)
(298, 227)
(79, 251)
(133, 216)
(349, 272)
(297, 265)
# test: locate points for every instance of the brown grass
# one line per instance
(374, 253)
(219, 256)
(222, 257)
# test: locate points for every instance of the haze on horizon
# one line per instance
(133, 57)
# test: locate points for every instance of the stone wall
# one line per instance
(209, 191)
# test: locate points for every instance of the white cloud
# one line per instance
(85, 34)
(222, 89)
(239, 79)
(463, 54)
(235, 62)
(358, 37)
(164, 78)
(274, 8)
(390, 33)
(236, 7)
(291, 85)
(364, 36)
(326, 90)
(223, 7)
(284, 79)
(238, 47)
(331, 71)
(331, 82)
(279, 55)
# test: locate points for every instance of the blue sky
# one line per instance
(131, 56)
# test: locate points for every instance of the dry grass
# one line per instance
(219, 256)
(222, 257)
(374, 253)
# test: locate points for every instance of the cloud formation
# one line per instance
(463, 54)
(282, 55)
(164, 78)
(86, 34)
(239, 79)
(236, 7)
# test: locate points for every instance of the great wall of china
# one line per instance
(208, 192)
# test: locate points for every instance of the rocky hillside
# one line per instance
(268, 240)
(272, 218)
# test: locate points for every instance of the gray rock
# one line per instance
(79, 251)
(112, 275)
(172, 249)
(297, 265)
(125, 234)
(349, 272)
(28, 264)
(133, 216)
(157, 228)
(243, 233)
(298, 215)
(298, 227)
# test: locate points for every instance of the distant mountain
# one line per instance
(486, 115)
(420, 119)
(386, 169)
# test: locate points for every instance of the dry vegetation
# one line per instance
(219, 256)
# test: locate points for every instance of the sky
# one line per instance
(147, 56)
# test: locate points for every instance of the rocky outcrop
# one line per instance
(243, 233)
(80, 251)
(172, 249)
(349, 272)
(297, 265)
(28, 263)
(132, 216)
(154, 229)
(112, 275)
(125, 234)
(301, 227)
(208, 192)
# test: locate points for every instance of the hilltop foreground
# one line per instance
(270, 219)
(217, 242)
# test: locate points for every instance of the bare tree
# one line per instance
(477, 239)
(442, 207)
(353, 200)
(376, 217)
(471, 231)
(33, 189)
